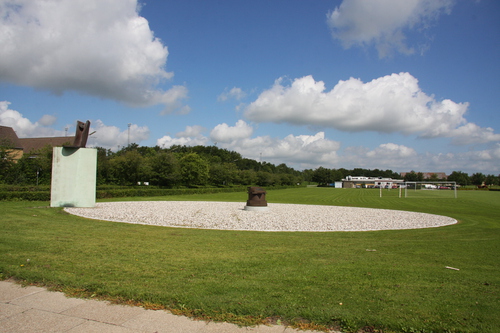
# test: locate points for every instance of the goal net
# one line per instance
(425, 189)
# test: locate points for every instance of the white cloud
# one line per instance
(390, 104)
(392, 150)
(400, 158)
(111, 137)
(191, 136)
(235, 93)
(385, 156)
(15, 119)
(167, 141)
(312, 151)
(472, 134)
(23, 127)
(383, 22)
(172, 99)
(47, 120)
(301, 152)
(191, 131)
(486, 161)
(227, 134)
(97, 47)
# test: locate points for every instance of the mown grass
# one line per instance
(395, 281)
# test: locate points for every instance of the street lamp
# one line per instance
(129, 133)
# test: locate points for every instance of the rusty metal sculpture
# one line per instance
(256, 197)
(81, 135)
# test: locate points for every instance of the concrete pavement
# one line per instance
(34, 309)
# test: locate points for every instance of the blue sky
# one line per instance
(388, 84)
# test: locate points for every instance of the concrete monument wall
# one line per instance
(74, 172)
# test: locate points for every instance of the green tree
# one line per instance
(344, 172)
(246, 177)
(129, 168)
(194, 169)
(103, 166)
(267, 167)
(34, 168)
(165, 169)
(6, 160)
(248, 164)
(125, 149)
(412, 176)
(307, 175)
(323, 176)
(265, 178)
(222, 173)
(337, 175)
(434, 177)
(461, 178)
(491, 180)
(477, 178)
(288, 179)
(148, 151)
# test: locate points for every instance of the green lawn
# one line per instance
(314, 280)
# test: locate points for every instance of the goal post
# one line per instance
(430, 186)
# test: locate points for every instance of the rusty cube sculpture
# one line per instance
(256, 197)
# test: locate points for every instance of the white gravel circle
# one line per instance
(279, 217)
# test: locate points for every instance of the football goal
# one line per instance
(429, 189)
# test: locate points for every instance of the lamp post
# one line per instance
(129, 134)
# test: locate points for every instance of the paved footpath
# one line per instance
(34, 309)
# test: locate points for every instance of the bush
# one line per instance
(107, 192)
(24, 188)
(142, 192)
(25, 195)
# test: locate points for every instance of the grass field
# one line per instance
(390, 281)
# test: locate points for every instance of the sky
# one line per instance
(387, 84)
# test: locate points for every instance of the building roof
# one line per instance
(428, 175)
(372, 180)
(9, 137)
(33, 144)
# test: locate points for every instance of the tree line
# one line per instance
(179, 166)
(461, 178)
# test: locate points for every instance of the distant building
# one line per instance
(20, 147)
(9, 139)
(371, 182)
(428, 175)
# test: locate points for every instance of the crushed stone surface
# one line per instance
(278, 217)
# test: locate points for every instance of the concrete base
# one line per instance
(257, 208)
(74, 173)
